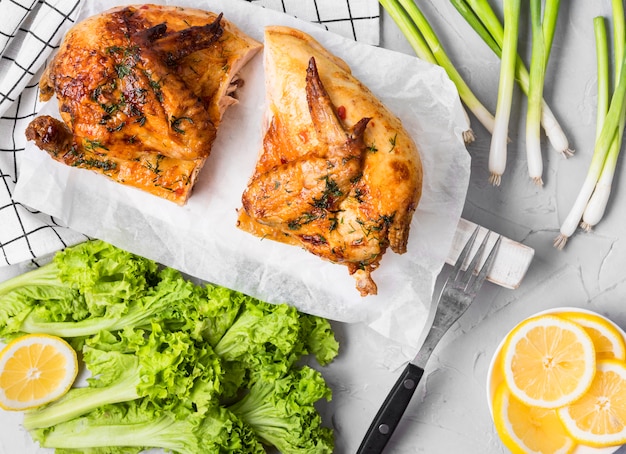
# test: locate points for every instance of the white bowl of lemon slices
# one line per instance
(557, 384)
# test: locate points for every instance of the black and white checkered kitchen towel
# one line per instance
(29, 31)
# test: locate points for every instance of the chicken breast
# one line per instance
(141, 92)
(338, 174)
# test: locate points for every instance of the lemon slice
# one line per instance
(525, 429)
(598, 418)
(35, 369)
(548, 361)
(607, 339)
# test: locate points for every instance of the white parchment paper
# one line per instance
(201, 238)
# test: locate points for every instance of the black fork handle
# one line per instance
(391, 411)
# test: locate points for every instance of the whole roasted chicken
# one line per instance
(141, 92)
(338, 174)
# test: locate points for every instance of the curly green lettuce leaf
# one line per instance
(220, 311)
(140, 424)
(166, 356)
(166, 367)
(84, 289)
(170, 291)
(263, 341)
(57, 302)
(104, 273)
(318, 338)
(282, 412)
(207, 313)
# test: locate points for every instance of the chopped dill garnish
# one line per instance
(155, 167)
(92, 145)
(331, 192)
(175, 122)
(122, 70)
(116, 128)
(305, 218)
(358, 195)
(392, 142)
(104, 165)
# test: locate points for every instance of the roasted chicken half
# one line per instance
(141, 92)
(338, 175)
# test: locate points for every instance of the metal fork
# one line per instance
(457, 294)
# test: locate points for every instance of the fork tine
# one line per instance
(469, 272)
(464, 253)
(484, 270)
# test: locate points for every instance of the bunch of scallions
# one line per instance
(502, 40)
(591, 202)
(424, 41)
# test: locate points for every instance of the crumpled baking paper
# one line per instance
(201, 238)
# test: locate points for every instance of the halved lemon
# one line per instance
(525, 429)
(35, 369)
(548, 361)
(607, 339)
(598, 418)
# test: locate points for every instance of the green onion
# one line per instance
(488, 26)
(604, 89)
(611, 132)
(410, 30)
(594, 211)
(477, 24)
(422, 38)
(499, 139)
(535, 95)
(542, 37)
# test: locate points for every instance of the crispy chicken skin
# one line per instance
(142, 90)
(338, 175)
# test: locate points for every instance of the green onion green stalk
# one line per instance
(481, 17)
(424, 41)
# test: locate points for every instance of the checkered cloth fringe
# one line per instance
(29, 31)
